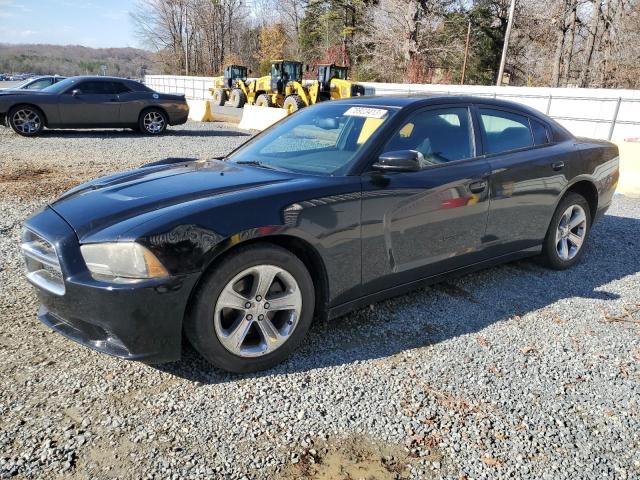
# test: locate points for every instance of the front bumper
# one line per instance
(139, 321)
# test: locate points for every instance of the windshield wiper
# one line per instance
(255, 163)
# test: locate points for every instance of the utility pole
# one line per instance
(466, 54)
(512, 10)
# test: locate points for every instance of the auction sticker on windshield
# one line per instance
(366, 112)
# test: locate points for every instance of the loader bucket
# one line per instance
(260, 118)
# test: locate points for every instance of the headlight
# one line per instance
(121, 262)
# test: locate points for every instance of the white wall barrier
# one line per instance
(598, 113)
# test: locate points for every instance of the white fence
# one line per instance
(597, 113)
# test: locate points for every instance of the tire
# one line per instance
(293, 103)
(263, 100)
(152, 121)
(560, 249)
(210, 325)
(219, 97)
(26, 120)
(237, 98)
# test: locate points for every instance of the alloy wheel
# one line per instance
(154, 122)
(26, 121)
(571, 231)
(257, 311)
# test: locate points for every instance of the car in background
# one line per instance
(91, 102)
(338, 206)
(37, 83)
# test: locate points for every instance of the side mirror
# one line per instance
(400, 161)
(307, 67)
(249, 72)
(76, 92)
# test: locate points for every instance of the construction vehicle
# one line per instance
(231, 86)
(331, 84)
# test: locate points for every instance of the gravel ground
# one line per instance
(513, 372)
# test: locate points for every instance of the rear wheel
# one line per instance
(219, 97)
(564, 243)
(252, 310)
(293, 103)
(26, 120)
(237, 98)
(263, 100)
(153, 121)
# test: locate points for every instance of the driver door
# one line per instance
(96, 104)
(422, 223)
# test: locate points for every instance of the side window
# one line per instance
(40, 84)
(540, 133)
(115, 88)
(91, 88)
(505, 131)
(441, 135)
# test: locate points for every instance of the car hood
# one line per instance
(98, 204)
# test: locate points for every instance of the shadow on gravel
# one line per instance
(102, 134)
(452, 308)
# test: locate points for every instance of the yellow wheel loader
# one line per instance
(331, 84)
(231, 87)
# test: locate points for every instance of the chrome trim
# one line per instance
(39, 280)
(42, 264)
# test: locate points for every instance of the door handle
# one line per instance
(477, 187)
(557, 166)
(113, 100)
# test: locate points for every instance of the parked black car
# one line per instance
(92, 102)
(340, 205)
(35, 83)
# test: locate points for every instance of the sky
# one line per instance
(92, 23)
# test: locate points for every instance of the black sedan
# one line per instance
(338, 206)
(92, 102)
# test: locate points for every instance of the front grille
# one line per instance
(43, 267)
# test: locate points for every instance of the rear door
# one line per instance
(95, 105)
(418, 224)
(527, 175)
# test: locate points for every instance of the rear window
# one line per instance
(505, 131)
(540, 132)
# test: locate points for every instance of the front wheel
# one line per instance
(238, 98)
(252, 310)
(293, 103)
(26, 120)
(219, 97)
(564, 243)
(263, 100)
(153, 121)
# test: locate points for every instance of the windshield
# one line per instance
(341, 72)
(320, 140)
(239, 72)
(62, 85)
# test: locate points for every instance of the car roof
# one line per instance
(402, 101)
(101, 78)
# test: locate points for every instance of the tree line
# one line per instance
(586, 43)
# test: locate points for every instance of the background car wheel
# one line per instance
(564, 243)
(293, 103)
(26, 120)
(238, 98)
(219, 97)
(263, 100)
(153, 121)
(252, 310)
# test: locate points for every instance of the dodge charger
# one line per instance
(340, 205)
